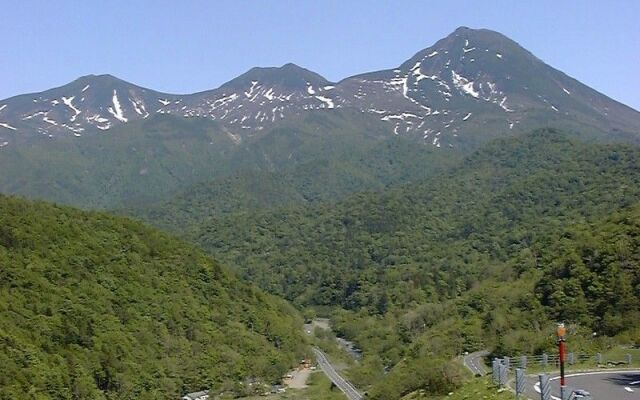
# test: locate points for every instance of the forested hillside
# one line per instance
(95, 307)
(480, 256)
(442, 234)
(593, 275)
(332, 174)
(315, 156)
(588, 277)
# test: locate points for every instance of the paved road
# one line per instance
(475, 362)
(603, 385)
(342, 384)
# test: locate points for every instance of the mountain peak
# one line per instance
(478, 35)
(462, 29)
(289, 76)
(102, 80)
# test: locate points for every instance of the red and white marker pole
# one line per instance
(561, 339)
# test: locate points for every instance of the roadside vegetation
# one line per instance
(471, 390)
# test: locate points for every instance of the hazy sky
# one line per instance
(188, 46)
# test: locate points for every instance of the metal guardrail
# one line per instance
(501, 368)
(524, 361)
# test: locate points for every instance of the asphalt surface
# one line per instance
(347, 388)
(475, 362)
(603, 385)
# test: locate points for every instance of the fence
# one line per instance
(553, 360)
(503, 367)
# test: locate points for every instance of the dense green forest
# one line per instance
(593, 275)
(426, 241)
(98, 307)
(589, 277)
(479, 256)
(322, 178)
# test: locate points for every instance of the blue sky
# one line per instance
(188, 46)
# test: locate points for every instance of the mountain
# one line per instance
(473, 84)
(104, 143)
(153, 159)
(98, 307)
(91, 104)
(479, 81)
(87, 104)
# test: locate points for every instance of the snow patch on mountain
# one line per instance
(97, 118)
(251, 89)
(68, 101)
(223, 100)
(402, 116)
(49, 120)
(327, 101)
(269, 95)
(503, 105)
(138, 106)
(464, 84)
(7, 126)
(116, 110)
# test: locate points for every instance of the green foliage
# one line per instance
(477, 257)
(98, 307)
(471, 390)
(594, 274)
(436, 376)
(429, 241)
(318, 161)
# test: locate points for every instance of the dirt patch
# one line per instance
(322, 323)
(298, 378)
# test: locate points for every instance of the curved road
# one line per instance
(603, 385)
(475, 362)
(342, 384)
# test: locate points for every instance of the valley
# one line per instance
(155, 244)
